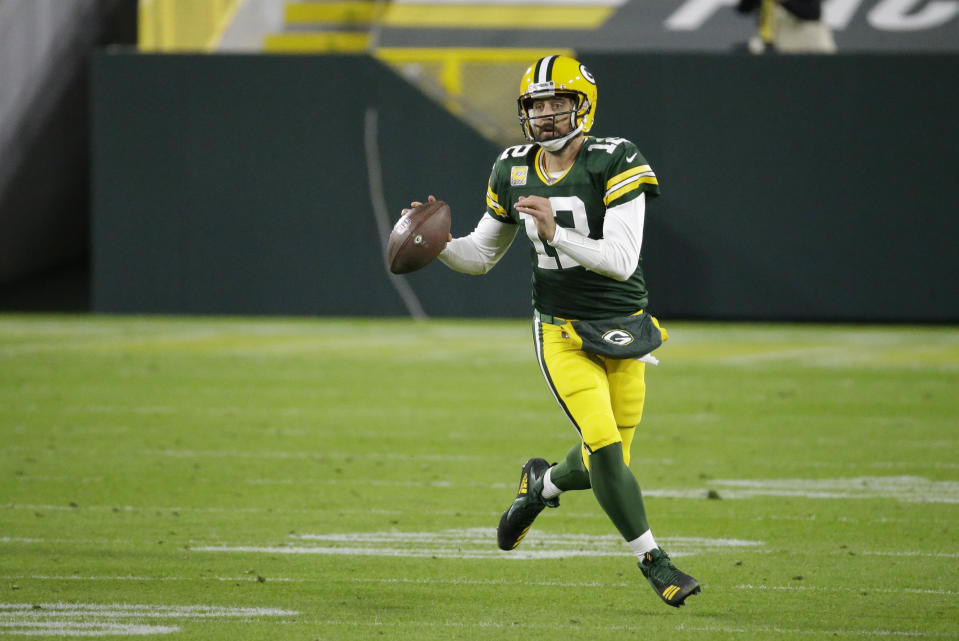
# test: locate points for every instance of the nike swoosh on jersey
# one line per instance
(630, 158)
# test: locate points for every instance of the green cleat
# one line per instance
(670, 584)
(527, 505)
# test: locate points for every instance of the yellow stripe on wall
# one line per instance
(183, 25)
(466, 54)
(342, 13)
(461, 16)
(330, 41)
(479, 16)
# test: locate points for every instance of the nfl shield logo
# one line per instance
(517, 177)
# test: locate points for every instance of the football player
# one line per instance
(581, 201)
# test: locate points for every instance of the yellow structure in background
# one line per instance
(454, 15)
(318, 42)
(183, 25)
(346, 26)
(479, 85)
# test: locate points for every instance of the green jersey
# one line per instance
(607, 172)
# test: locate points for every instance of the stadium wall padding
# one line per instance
(794, 187)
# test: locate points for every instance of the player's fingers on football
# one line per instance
(430, 199)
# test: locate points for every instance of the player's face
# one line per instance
(550, 117)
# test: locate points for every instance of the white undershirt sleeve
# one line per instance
(616, 254)
(479, 251)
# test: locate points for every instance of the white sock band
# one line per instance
(643, 544)
(549, 488)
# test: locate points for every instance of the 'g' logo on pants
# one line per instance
(618, 337)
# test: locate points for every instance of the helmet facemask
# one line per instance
(558, 75)
(580, 107)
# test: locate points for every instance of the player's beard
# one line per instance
(547, 129)
(548, 135)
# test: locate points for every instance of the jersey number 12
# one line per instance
(570, 212)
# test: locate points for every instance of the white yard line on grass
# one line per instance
(467, 582)
(857, 589)
(426, 553)
(114, 619)
(81, 629)
(230, 510)
(912, 489)
(597, 515)
(471, 543)
(144, 579)
(124, 610)
(938, 555)
(327, 455)
(563, 626)
(322, 579)
(769, 631)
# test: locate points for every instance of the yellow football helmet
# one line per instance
(558, 75)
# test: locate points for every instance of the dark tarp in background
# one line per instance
(794, 188)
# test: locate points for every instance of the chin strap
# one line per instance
(558, 144)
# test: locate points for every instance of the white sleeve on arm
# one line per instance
(478, 252)
(616, 254)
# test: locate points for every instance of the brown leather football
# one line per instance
(418, 237)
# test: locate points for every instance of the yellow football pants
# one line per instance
(603, 397)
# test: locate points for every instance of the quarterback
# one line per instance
(581, 202)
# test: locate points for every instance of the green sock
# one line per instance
(617, 491)
(571, 472)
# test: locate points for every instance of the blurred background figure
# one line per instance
(788, 26)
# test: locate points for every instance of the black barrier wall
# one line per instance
(794, 188)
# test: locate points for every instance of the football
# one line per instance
(418, 237)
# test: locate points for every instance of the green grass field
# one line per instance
(231, 479)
